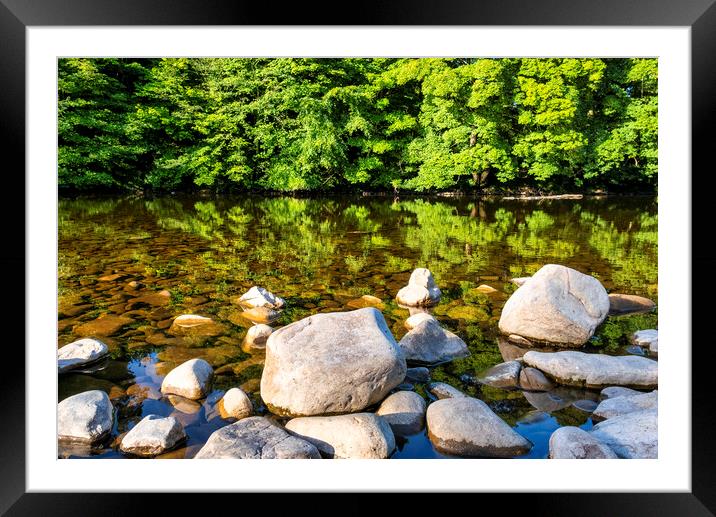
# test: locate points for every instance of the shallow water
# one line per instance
(321, 255)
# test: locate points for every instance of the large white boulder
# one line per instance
(421, 290)
(331, 363)
(153, 435)
(575, 443)
(634, 435)
(557, 305)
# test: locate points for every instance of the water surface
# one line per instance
(321, 255)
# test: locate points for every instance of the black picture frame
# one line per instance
(699, 15)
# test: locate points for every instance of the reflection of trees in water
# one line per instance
(454, 238)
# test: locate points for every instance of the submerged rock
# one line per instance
(648, 339)
(404, 411)
(444, 391)
(558, 305)
(366, 301)
(260, 315)
(355, 436)
(153, 435)
(331, 363)
(429, 343)
(629, 304)
(193, 325)
(484, 288)
(575, 443)
(634, 435)
(80, 353)
(256, 438)
(256, 337)
(468, 427)
(260, 297)
(416, 319)
(103, 326)
(420, 291)
(191, 379)
(236, 404)
(531, 379)
(618, 391)
(624, 404)
(503, 375)
(85, 417)
(595, 370)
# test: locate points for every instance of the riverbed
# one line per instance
(145, 261)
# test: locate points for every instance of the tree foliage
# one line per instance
(307, 124)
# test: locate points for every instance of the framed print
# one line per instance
(383, 194)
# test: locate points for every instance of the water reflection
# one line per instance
(321, 255)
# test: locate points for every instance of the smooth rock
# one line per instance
(256, 337)
(260, 297)
(588, 406)
(191, 379)
(194, 325)
(85, 417)
(444, 391)
(531, 379)
(484, 288)
(331, 363)
(260, 315)
(416, 319)
(573, 443)
(468, 427)
(634, 435)
(420, 291)
(629, 304)
(558, 305)
(558, 398)
(503, 375)
(404, 411)
(417, 374)
(647, 339)
(366, 301)
(429, 343)
(236, 404)
(595, 370)
(255, 438)
(80, 353)
(103, 326)
(520, 280)
(618, 391)
(623, 405)
(354, 436)
(152, 435)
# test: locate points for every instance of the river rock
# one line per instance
(256, 337)
(468, 427)
(331, 363)
(486, 289)
(618, 406)
(503, 375)
(236, 404)
(256, 438)
(152, 435)
(417, 374)
(429, 343)
(573, 443)
(355, 436)
(595, 370)
(520, 281)
(444, 391)
(420, 291)
(85, 417)
(558, 398)
(260, 315)
(103, 326)
(191, 379)
(155, 299)
(618, 391)
(260, 297)
(404, 411)
(647, 339)
(416, 319)
(634, 435)
(531, 379)
(629, 304)
(588, 406)
(366, 301)
(194, 325)
(558, 305)
(80, 353)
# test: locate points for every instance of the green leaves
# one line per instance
(291, 124)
